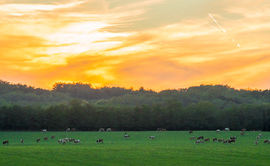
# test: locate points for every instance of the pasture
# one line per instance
(169, 148)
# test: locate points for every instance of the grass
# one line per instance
(169, 148)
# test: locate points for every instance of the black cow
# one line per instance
(99, 141)
(5, 142)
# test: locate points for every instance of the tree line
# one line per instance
(171, 115)
(80, 106)
(222, 96)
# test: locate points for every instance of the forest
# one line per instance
(80, 106)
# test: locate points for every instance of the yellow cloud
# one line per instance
(117, 44)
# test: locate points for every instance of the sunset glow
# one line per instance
(157, 44)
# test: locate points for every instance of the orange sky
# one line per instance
(157, 44)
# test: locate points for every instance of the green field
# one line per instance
(170, 148)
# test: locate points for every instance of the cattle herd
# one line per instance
(202, 139)
(198, 140)
(71, 140)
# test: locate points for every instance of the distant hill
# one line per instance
(222, 96)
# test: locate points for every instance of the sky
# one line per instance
(155, 44)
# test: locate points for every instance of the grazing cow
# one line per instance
(192, 138)
(218, 130)
(243, 130)
(152, 137)
(126, 135)
(21, 141)
(46, 139)
(258, 137)
(38, 140)
(73, 129)
(242, 133)
(99, 141)
(64, 142)
(76, 141)
(220, 140)
(191, 131)
(233, 137)
(226, 141)
(207, 139)
(231, 140)
(60, 140)
(256, 142)
(201, 137)
(266, 141)
(71, 140)
(101, 129)
(52, 137)
(227, 129)
(214, 139)
(109, 129)
(5, 142)
(199, 141)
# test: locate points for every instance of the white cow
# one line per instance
(77, 141)
(101, 129)
(152, 137)
(109, 129)
(227, 129)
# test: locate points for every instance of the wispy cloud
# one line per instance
(21, 9)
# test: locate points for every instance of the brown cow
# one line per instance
(21, 141)
(266, 141)
(99, 141)
(71, 140)
(190, 131)
(38, 140)
(220, 140)
(206, 139)
(201, 137)
(73, 129)
(5, 142)
(214, 139)
(52, 137)
(45, 138)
